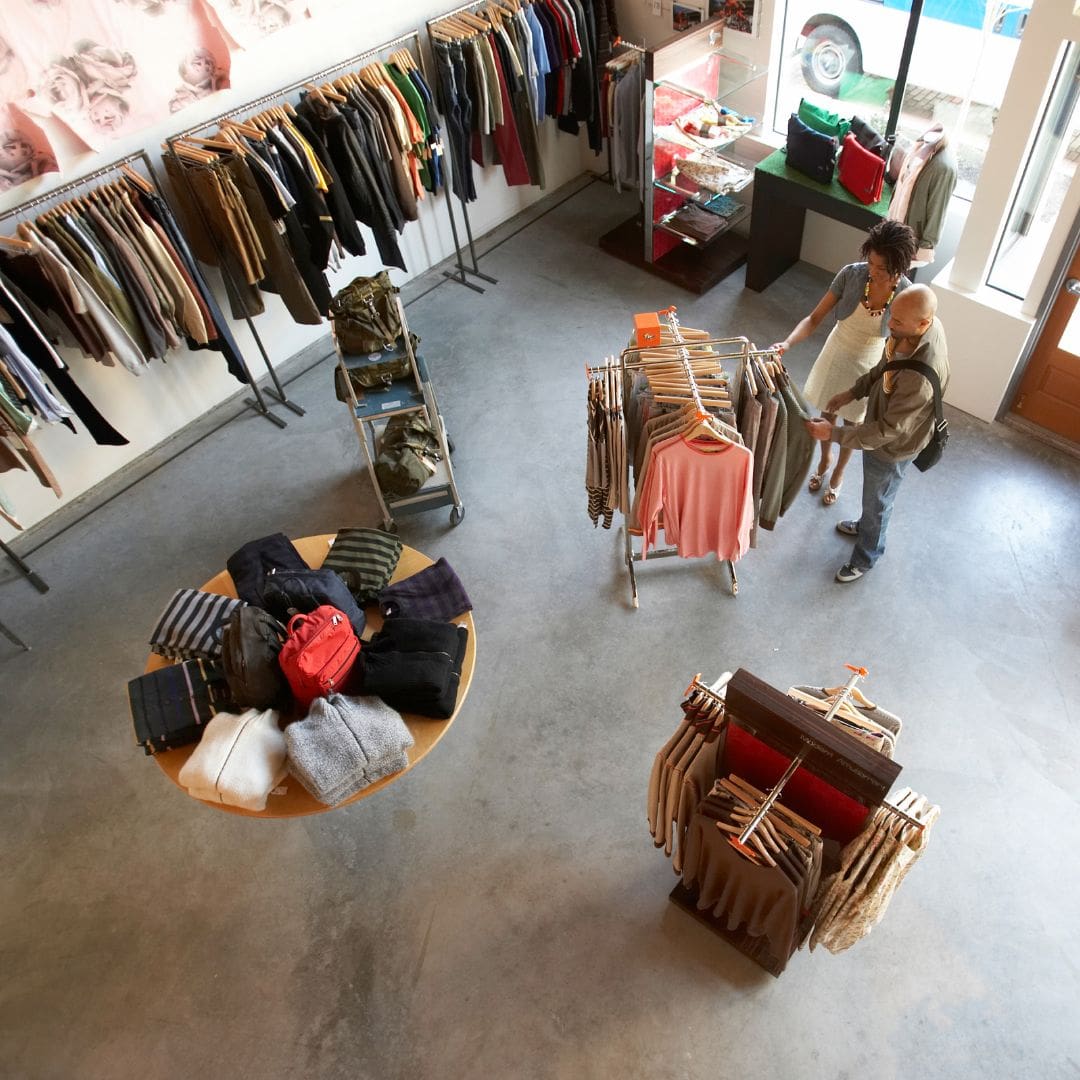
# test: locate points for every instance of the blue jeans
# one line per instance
(881, 481)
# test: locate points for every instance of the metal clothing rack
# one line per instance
(432, 25)
(413, 37)
(23, 210)
(682, 354)
(275, 96)
(38, 582)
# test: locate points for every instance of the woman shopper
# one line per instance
(861, 294)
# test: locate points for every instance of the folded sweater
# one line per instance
(345, 744)
(239, 761)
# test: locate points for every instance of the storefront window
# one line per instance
(845, 54)
(1047, 176)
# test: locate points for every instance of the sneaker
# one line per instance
(848, 528)
(847, 572)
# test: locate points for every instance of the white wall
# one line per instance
(151, 407)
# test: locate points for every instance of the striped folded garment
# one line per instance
(365, 559)
(190, 626)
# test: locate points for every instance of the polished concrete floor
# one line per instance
(501, 911)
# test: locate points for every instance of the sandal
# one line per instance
(816, 481)
(831, 495)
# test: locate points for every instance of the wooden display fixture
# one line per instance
(697, 269)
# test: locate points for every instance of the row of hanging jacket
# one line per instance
(274, 199)
(622, 91)
(770, 414)
(826, 878)
(110, 273)
(503, 69)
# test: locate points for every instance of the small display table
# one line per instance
(294, 801)
(781, 198)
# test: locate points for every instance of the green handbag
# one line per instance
(823, 121)
(409, 454)
(365, 315)
(373, 376)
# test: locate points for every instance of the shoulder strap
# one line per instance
(928, 373)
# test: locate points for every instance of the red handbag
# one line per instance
(318, 654)
(861, 171)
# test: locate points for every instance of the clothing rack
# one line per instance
(772, 729)
(712, 692)
(22, 211)
(432, 30)
(413, 37)
(682, 355)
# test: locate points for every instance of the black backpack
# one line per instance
(931, 453)
(251, 641)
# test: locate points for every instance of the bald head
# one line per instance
(912, 312)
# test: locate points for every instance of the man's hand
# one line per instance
(819, 429)
(835, 404)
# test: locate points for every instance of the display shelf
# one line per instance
(669, 224)
(721, 74)
(678, 183)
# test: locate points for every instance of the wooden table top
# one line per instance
(295, 801)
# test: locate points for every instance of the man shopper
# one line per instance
(898, 424)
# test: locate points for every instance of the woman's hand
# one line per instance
(780, 346)
(835, 404)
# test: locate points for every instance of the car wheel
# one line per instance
(829, 54)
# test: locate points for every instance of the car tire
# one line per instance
(830, 53)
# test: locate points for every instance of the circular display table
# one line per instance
(294, 801)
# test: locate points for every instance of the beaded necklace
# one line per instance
(866, 299)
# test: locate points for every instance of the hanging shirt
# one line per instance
(706, 496)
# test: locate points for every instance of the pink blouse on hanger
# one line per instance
(706, 496)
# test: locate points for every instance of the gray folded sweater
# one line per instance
(345, 744)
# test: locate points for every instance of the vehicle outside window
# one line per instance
(845, 54)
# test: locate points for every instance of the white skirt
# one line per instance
(853, 347)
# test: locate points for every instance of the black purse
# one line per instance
(866, 136)
(931, 453)
(812, 153)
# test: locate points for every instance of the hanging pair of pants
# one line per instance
(458, 117)
(881, 481)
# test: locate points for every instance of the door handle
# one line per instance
(1072, 285)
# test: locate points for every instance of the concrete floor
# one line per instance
(501, 911)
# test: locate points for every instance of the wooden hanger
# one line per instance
(15, 243)
(248, 130)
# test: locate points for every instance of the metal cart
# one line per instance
(371, 409)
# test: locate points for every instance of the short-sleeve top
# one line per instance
(849, 286)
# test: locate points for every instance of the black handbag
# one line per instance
(251, 642)
(290, 592)
(812, 153)
(931, 453)
(866, 136)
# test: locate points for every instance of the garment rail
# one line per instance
(411, 41)
(123, 168)
(675, 355)
(712, 693)
(434, 34)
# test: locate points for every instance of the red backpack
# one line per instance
(319, 653)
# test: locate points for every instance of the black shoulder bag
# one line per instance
(931, 453)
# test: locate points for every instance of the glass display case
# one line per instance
(694, 114)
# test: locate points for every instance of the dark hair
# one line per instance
(894, 242)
